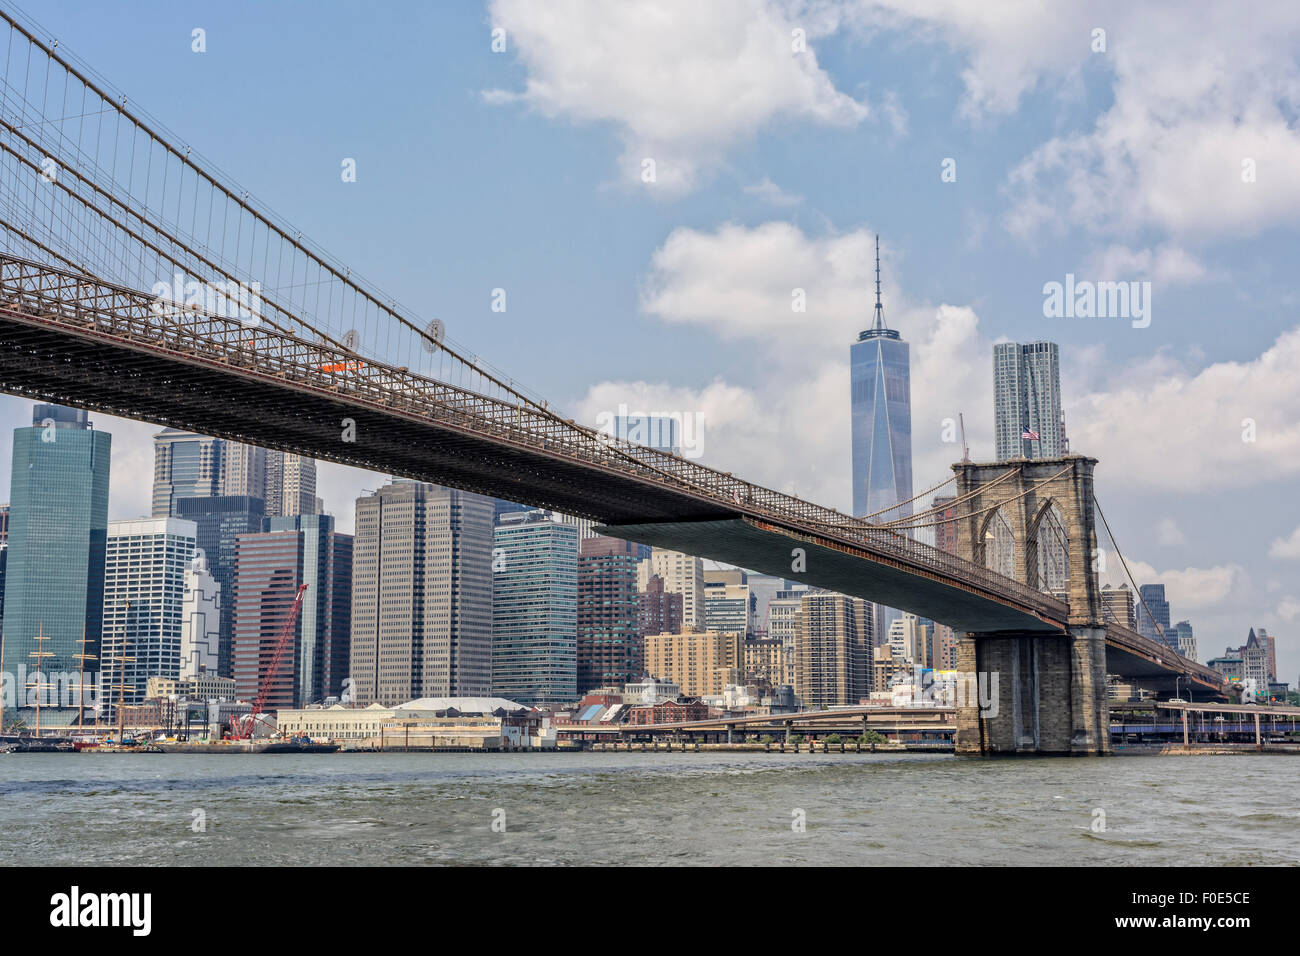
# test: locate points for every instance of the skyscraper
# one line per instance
(219, 521)
(290, 484)
(271, 566)
(1118, 605)
(1186, 638)
(880, 374)
(659, 612)
(185, 465)
(144, 598)
(728, 607)
(682, 575)
(1152, 596)
(832, 653)
(880, 370)
(200, 619)
(1027, 400)
(421, 594)
(610, 650)
(534, 609)
(243, 470)
(58, 521)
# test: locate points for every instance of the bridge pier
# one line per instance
(1035, 693)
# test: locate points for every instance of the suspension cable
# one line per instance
(1151, 617)
(928, 512)
(910, 500)
(993, 507)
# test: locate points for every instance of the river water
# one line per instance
(598, 808)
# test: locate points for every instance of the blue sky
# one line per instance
(521, 170)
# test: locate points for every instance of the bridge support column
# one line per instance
(1033, 693)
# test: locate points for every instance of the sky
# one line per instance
(995, 148)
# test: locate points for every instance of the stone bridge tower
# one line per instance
(1046, 691)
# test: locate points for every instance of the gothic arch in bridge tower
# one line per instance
(1047, 558)
(998, 544)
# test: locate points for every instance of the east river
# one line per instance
(616, 809)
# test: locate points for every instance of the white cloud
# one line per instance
(682, 81)
(1166, 264)
(1169, 534)
(1177, 429)
(1188, 588)
(1286, 547)
(773, 194)
(1289, 609)
(1219, 85)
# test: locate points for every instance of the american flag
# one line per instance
(1030, 434)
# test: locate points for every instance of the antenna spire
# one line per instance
(880, 309)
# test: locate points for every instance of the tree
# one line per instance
(870, 738)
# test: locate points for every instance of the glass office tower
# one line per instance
(880, 368)
(882, 417)
(58, 530)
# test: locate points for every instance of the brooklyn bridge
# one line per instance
(138, 281)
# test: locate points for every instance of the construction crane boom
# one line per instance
(242, 726)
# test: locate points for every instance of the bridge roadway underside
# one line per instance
(97, 372)
(89, 368)
(747, 544)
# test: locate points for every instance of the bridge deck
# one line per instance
(75, 340)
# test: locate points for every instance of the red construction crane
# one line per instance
(242, 725)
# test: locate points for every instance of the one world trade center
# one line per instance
(880, 369)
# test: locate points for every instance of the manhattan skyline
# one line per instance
(682, 294)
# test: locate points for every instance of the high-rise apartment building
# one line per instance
(1117, 605)
(833, 647)
(219, 521)
(610, 649)
(908, 641)
(534, 609)
(144, 603)
(54, 559)
(421, 594)
(682, 575)
(782, 618)
(943, 647)
(702, 662)
(659, 611)
(1027, 400)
